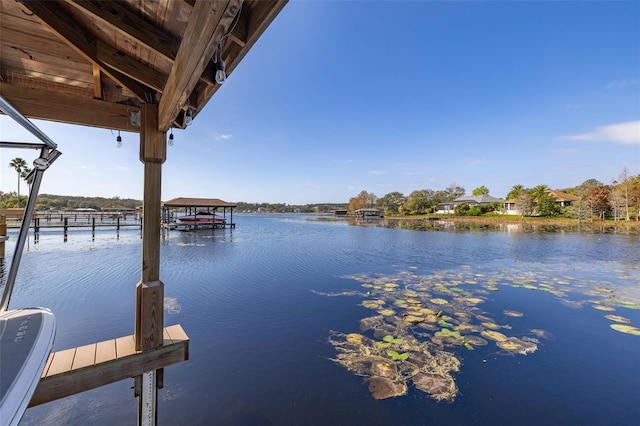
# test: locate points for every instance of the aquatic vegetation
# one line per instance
(390, 339)
(425, 323)
(627, 329)
(494, 335)
(603, 308)
(382, 388)
(618, 318)
(355, 338)
(436, 385)
(520, 346)
(397, 356)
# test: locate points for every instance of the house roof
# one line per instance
(558, 195)
(95, 63)
(477, 199)
(561, 196)
(197, 202)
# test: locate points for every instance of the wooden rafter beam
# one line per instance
(97, 84)
(119, 17)
(126, 65)
(55, 106)
(83, 42)
(209, 22)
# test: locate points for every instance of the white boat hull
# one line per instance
(26, 340)
(202, 218)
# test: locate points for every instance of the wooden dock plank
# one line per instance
(176, 333)
(166, 337)
(105, 351)
(125, 346)
(66, 377)
(62, 361)
(85, 356)
(47, 365)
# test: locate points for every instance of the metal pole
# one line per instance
(22, 238)
(9, 110)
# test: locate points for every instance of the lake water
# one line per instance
(269, 306)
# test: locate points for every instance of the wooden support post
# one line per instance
(150, 290)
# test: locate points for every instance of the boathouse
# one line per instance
(173, 209)
(148, 67)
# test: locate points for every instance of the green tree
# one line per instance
(578, 210)
(461, 209)
(547, 206)
(22, 169)
(515, 191)
(481, 190)
(392, 201)
(538, 191)
(419, 201)
(583, 189)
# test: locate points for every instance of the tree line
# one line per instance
(64, 202)
(619, 200)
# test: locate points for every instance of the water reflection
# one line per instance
(260, 335)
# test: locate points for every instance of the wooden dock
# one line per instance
(86, 367)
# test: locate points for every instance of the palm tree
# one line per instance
(538, 191)
(22, 169)
(515, 191)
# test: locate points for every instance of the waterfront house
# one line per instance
(563, 199)
(471, 200)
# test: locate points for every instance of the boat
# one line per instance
(26, 334)
(26, 339)
(203, 217)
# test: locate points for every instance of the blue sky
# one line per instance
(337, 97)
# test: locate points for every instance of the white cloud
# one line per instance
(377, 172)
(625, 133)
(619, 84)
(121, 168)
(222, 137)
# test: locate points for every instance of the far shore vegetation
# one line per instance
(593, 201)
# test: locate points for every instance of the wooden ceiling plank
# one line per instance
(117, 60)
(80, 40)
(34, 46)
(61, 107)
(239, 33)
(123, 20)
(209, 22)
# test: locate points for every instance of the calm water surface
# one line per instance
(254, 303)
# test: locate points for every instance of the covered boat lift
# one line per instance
(189, 206)
(136, 66)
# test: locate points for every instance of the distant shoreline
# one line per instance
(532, 221)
